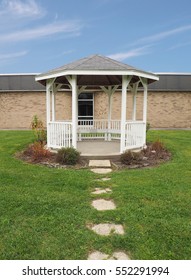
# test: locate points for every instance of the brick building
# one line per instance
(169, 102)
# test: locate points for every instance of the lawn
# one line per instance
(44, 211)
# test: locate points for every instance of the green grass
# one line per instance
(44, 211)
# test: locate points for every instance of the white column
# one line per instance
(77, 115)
(125, 82)
(109, 112)
(145, 103)
(53, 104)
(47, 102)
(48, 87)
(145, 87)
(73, 82)
(74, 110)
(135, 86)
(145, 112)
(77, 106)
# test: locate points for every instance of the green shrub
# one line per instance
(39, 130)
(129, 157)
(69, 156)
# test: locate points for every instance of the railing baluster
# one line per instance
(134, 137)
(60, 132)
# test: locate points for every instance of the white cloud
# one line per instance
(149, 40)
(12, 55)
(18, 8)
(163, 35)
(131, 53)
(181, 45)
(67, 27)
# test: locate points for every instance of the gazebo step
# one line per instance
(100, 163)
(103, 157)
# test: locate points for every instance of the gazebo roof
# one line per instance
(94, 71)
(94, 62)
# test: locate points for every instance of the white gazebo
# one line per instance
(96, 73)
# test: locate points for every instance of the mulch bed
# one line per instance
(146, 158)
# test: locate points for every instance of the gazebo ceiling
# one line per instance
(95, 81)
(95, 71)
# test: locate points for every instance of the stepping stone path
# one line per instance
(100, 191)
(100, 166)
(107, 229)
(119, 255)
(103, 204)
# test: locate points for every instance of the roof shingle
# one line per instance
(93, 62)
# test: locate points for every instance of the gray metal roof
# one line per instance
(172, 82)
(19, 82)
(26, 82)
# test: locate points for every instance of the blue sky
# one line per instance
(39, 35)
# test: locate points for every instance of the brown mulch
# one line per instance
(49, 160)
(146, 158)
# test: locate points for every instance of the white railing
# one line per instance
(115, 126)
(134, 134)
(59, 134)
(99, 129)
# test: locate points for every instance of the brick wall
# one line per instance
(165, 109)
(169, 109)
(18, 108)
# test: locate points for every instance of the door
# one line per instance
(85, 108)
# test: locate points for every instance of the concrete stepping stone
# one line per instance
(101, 170)
(103, 179)
(107, 229)
(100, 191)
(97, 255)
(119, 256)
(99, 163)
(103, 204)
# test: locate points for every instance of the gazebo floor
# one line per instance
(98, 148)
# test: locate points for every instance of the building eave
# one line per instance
(19, 74)
(174, 73)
